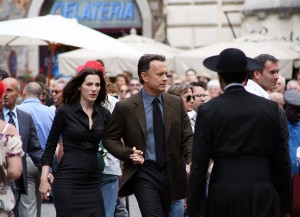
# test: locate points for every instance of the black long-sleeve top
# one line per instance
(72, 123)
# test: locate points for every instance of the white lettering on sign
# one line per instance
(95, 11)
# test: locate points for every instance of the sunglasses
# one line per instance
(189, 97)
(200, 95)
(56, 91)
(137, 85)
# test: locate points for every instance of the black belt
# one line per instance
(153, 164)
(242, 170)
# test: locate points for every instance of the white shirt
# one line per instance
(111, 103)
(114, 163)
(257, 90)
(192, 115)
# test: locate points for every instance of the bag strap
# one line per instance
(5, 128)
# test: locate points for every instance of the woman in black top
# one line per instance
(80, 122)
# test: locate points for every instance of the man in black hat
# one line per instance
(241, 132)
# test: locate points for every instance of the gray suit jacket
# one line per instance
(128, 121)
(30, 144)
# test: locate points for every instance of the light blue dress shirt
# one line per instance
(42, 117)
(294, 143)
(150, 144)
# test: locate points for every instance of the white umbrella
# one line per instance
(55, 30)
(194, 58)
(114, 63)
(255, 37)
(9, 40)
(150, 46)
(285, 45)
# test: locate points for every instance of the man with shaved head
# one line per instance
(42, 117)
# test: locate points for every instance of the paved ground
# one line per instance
(49, 211)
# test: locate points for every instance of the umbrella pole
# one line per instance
(53, 47)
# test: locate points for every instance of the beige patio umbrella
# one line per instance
(115, 63)
(194, 58)
(150, 46)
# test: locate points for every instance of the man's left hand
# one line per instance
(137, 156)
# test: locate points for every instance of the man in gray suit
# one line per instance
(157, 134)
(25, 125)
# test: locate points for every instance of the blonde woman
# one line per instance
(185, 91)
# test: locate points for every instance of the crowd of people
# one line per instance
(223, 144)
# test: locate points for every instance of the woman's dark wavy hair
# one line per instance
(71, 93)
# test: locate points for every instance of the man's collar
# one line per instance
(239, 85)
(149, 98)
(256, 89)
(6, 110)
(32, 99)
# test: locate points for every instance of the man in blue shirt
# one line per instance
(30, 204)
(42, 115)
(292, 110)
(157, 137)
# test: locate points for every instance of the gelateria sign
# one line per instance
(100, 14)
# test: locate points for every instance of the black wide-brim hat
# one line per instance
(231, 60)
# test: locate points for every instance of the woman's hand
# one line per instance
(50, 178)
(45, 189)
(46, 178)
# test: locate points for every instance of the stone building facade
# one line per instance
(184, 24)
